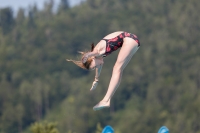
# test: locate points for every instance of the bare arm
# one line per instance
(98, 50)
(98, 71)
(96, 79)
(89, 54)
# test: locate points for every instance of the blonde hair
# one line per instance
(85, 65)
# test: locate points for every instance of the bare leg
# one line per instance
(127, 51)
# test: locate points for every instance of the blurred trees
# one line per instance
(44, 127)
(6, 19)
(64, 4)
(160, 86)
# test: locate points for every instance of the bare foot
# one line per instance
(101, 105)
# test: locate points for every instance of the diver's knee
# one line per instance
(117, 68)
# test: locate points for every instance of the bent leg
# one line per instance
(127, 51)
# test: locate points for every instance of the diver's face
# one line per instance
(96, 62)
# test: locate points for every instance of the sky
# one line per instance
(16, 4)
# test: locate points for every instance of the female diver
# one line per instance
(93, 60)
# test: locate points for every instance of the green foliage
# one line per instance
(160, 86)
(99, 128)
(6, 20)
(44, 127)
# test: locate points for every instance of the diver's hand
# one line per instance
(94, 85)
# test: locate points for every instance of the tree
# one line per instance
(64, 5)
(20, 16)
(6, 19)
(44, 127)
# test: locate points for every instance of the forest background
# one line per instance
(160, 86)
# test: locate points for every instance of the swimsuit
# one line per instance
(117, 42)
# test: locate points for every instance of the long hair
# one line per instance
(85, 65)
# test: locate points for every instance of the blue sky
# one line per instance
(16, 4)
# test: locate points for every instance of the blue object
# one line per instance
(108, 129)
(163, 129)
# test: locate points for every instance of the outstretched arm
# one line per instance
(96, 79)
(98, 72)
